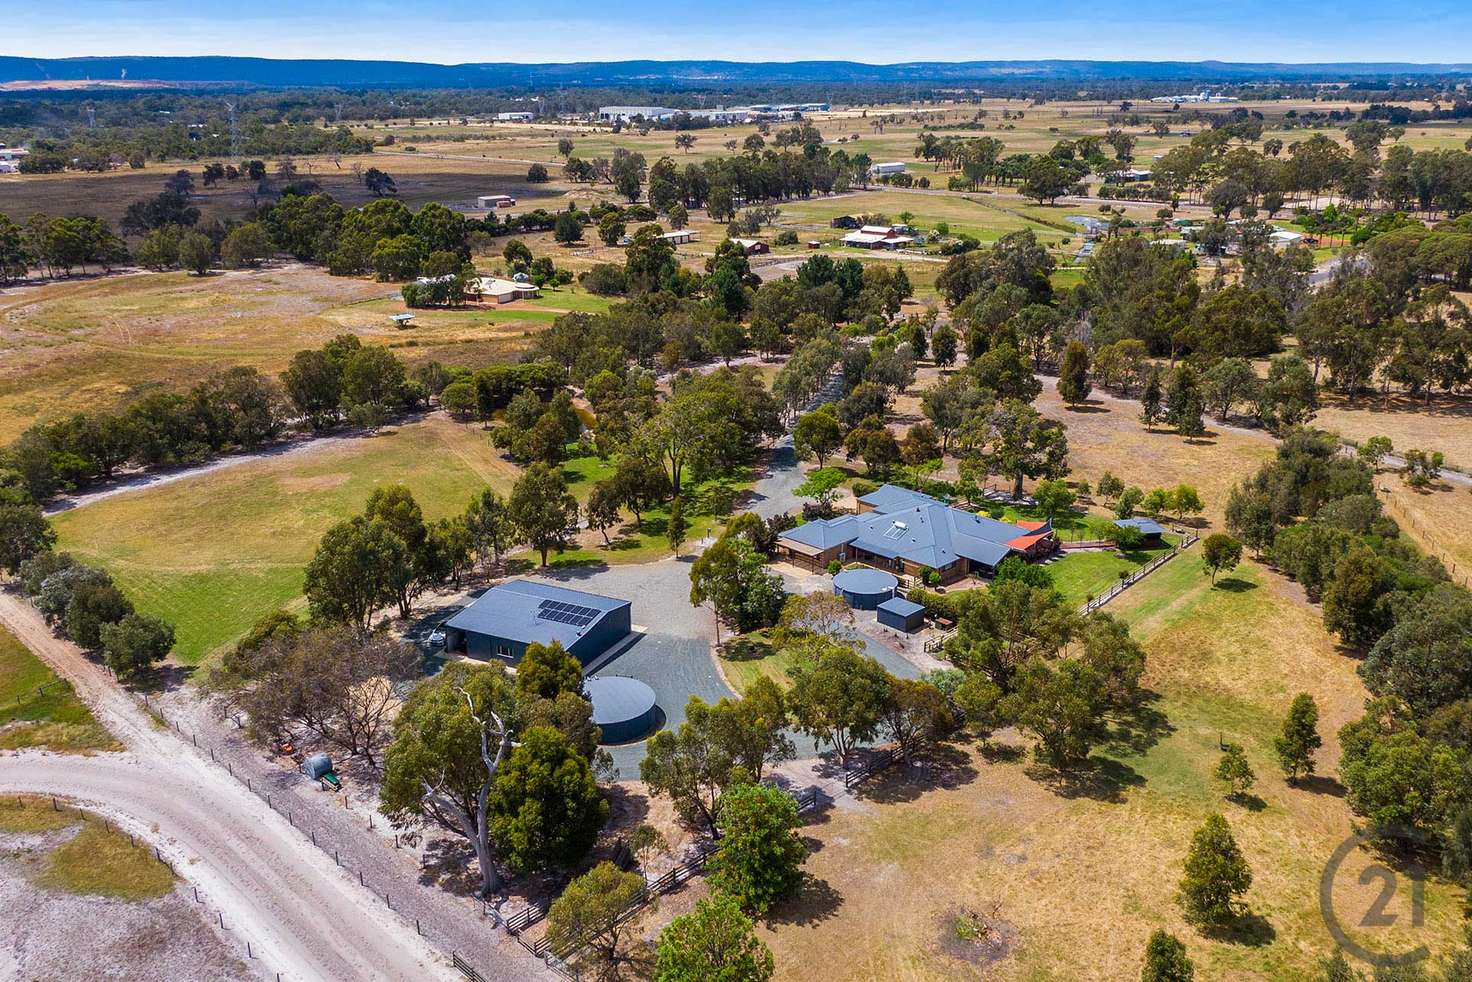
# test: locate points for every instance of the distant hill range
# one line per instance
(343, 73)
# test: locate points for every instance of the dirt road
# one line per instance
(302, 916)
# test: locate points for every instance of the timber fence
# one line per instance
(1094, 603)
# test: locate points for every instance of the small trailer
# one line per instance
(318, 767)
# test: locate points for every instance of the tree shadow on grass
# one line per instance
(1249, 929)
(1000, 753)
(1249, 801)
(816, 902)
(1320, 784)
(1139, 728)
(1097, 779)
(943, 767)
(1087, 406)
(1232, 584)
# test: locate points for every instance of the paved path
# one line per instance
(776, 489)
(302, 915)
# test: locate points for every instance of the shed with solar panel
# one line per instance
(510, 616)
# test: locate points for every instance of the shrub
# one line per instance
(834, 567)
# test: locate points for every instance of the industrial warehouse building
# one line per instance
(510, 616)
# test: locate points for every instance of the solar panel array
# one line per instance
(895, 531)
(566, 613)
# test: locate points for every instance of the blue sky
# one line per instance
(450, 31)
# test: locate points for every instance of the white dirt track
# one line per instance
(302, 915)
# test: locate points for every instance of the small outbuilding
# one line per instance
(864, 588)
(901, 614)
(1148, 527)
(752, 246)
(623, 708)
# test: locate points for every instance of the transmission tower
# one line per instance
(234, 130)
(91, 117)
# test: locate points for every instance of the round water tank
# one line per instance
(864, 589)
(622, 707)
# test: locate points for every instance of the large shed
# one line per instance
(510, 616)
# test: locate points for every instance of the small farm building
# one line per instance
(901, 614)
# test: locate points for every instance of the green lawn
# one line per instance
(39, 710)
(1081, 575)
(753, 657)
(215, 552)
(706, 508)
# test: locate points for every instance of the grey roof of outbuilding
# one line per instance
(901, 606)
(513, 610)
(1147, 526)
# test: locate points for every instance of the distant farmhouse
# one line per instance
(521, 117)
(880, 237)
(505, 291)
(489, 201)
(510, 616)
(10, 158)
(907, 532)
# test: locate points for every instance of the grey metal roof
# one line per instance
(888, 497)
(527, 611)
(901, 606)
(910, 525)
(1147, 526)
(824, 534)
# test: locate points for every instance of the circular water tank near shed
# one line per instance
(622, 707)
(864, 589)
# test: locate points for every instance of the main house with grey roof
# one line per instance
(907, 532)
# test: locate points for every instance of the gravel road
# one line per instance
(302, 916)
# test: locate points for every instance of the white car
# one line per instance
(437, 638)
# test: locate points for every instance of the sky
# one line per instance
(874, 31)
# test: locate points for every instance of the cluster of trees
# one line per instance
(80, 602)
(1025, 657)
(1220, 166)
(1314, 513)
(109, 147)
(758, 174)
(58, 245)
(1182, 500)
(510, 765)
(236, 409)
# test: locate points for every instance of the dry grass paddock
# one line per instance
(1080, 871)
(89, 344)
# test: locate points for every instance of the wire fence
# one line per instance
(322, 842)
(39, 690)
(57, 805)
